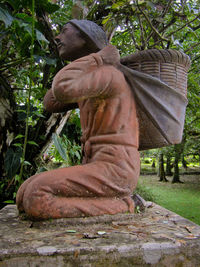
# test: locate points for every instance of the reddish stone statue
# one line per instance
(104, 183)
(107, 93)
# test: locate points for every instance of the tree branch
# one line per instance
(162, 16)
(191, 47)
(172, 21)
(151, 25)
(12, 64)
(166, 9)
(132, 36)
(186, 24)
(143, 41)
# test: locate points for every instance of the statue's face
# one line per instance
(70, 44)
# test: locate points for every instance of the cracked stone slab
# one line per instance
(156, 237)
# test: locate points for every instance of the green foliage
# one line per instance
(65, 151)
(60, 146)
(145, 193)
(62, 15)
(29, 59)
(12, 161)
(73, 127)
(183, 199)
(21, 43)
(67, 148)
(5, 17)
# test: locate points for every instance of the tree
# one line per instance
(161, 168)
(29, 61)
(176, 177)
(168, 165)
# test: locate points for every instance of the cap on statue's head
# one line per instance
(92, 31)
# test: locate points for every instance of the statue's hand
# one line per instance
(110, 55)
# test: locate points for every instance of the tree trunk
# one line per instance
(7, 120)
(168, 166)
(184, 163)
(158, 165)
(153, 165)
(161, 168)
(8, 128)
(199, 158)
(176, 176)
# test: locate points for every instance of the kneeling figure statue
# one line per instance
(105, 181)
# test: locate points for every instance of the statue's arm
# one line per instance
(84, 78)
(53, 106)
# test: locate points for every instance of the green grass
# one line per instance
(184, 199)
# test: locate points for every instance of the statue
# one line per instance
(111, 164)
(106, 92)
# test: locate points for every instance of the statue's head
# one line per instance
(79, 38)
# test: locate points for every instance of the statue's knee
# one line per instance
(33, 201)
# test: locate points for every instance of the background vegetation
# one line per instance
(29, 60)
(183, 199)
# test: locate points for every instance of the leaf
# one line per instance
(24, 17)
(27, 163)
(19, 136)
(77, 155)
(140, 2)
(159, 19)
(106, 19)
(12, 161)
(17, 178)
(9, 202)
(48, 60)
(14, 4)
(5, 17)
(17, 144)
(151, 5)
(71, 231)
(59, 147)
(118, 5)
(49, 7)
(41, 37)
(21, 110)
(101, 232)
(32, 143)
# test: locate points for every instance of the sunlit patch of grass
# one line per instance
(184, 199)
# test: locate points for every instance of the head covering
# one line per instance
(93, 32)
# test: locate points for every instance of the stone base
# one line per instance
(156, 237)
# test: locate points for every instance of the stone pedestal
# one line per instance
(156, 237)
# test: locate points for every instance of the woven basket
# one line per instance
(170, 67)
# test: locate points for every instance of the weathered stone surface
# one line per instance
(156, 237)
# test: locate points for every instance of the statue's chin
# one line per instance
(65, 56)
(75, 54)
(62, 55)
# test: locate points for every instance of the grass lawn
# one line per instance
(184, 199)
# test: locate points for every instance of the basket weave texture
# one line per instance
(170, 66)
(157, 127)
